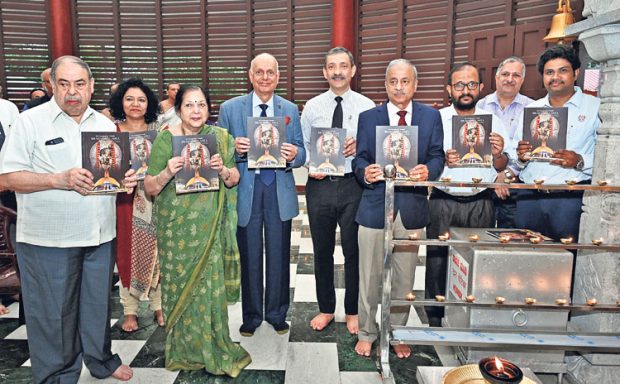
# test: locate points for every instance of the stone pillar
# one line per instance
(597, 275)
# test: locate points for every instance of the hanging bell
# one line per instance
(560, 21)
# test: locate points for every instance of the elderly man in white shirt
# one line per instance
(64, 236)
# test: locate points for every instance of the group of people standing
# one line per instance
(192, 254)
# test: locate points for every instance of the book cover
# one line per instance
(470, 139)
(326, 151)
(140, 145)
(397, 145)
(545, 130)
(196, 174)
(105, 155)
(266, 136)
(522, 235)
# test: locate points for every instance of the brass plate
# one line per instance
(470, 374)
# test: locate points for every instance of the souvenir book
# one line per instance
(470, 139)
(266, 136)
(545, 130)
(140, 145)
(397, 145)
(326, 151)
(196, 174)
(105, 155)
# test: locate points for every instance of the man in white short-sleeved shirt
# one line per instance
(64, 235)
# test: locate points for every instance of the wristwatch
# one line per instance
(580, 163)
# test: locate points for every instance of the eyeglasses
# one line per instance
(461, 86)
(260, 73)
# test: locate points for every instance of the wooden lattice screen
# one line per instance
(211, 41)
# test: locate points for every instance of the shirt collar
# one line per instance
(332, 95)
(575, 100)
(56, 111)
(519, 99)
(256, 101)
(393, 110)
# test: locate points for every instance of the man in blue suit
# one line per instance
(267, 199)
(411, 205)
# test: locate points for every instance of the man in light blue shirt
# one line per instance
(507, 104)
(557, 214)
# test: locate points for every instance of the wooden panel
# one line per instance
(487, 49)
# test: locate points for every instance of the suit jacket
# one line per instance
(234, 114)
(411, 202)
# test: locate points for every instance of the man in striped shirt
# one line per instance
(333, 200)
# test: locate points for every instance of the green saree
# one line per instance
(199, 262)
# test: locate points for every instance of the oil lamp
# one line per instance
(499, 371)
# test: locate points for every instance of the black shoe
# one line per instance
(246, 331)
(281, 329)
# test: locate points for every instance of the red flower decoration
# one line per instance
(288, 120)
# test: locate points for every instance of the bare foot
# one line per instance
(159, 317)
(321, 321)
(3, 310)
(352, 324)
(123, 373)
(402, 351)
(130, 324)
(363, 348)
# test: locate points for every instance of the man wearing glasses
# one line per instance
(458, 206)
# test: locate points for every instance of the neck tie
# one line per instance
(402, 115)
(267, 176)
(337, 118)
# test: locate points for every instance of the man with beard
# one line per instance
(459, 206)
(507, 104)
(64, 236)
(557, 214)
(334, 200)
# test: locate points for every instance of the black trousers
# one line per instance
(334, 201)
(450, 211)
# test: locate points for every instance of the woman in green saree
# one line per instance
(196, 242)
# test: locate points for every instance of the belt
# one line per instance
(438, 193)
(347, 175)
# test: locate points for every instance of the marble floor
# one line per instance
(299, 357)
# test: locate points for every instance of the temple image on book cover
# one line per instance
(396, 148)
(472, 135)
(266, 137)
(140, 152)
(196, 156)
(545, 129)
(106, 155)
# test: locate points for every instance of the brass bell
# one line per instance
(560, 21)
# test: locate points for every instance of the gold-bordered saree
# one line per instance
(199, 261)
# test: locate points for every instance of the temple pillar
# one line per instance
(343, 24)
(60, 28)
(597, 275)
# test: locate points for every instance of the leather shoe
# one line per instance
(246, 331)
(281, 329)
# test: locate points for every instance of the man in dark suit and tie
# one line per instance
(411, 206)
(267, 199)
